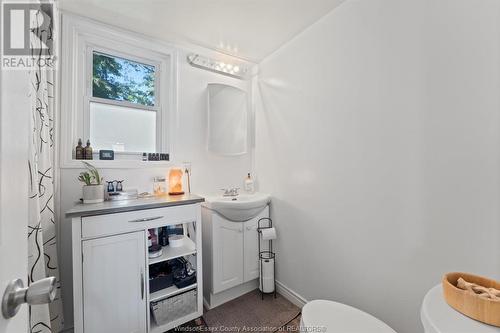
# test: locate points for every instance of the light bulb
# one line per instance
(229, 66)
(222, 65)
(236, 69)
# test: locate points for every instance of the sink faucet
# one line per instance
(230, 192)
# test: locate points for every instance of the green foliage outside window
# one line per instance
(123, 80)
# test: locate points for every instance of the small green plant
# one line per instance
(90, 177)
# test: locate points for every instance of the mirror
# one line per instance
(227, 120)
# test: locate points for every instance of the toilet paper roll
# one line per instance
(268, 234)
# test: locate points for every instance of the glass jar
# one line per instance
(159, 186)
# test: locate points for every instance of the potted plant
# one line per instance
(93, 189)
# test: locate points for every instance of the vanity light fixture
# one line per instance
(235, 70)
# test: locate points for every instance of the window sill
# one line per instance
(114, 164)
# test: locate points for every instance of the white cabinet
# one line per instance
(111, 288)
(231, 256)
(228, 254)
(114, 284)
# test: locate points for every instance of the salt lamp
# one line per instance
(175, 181)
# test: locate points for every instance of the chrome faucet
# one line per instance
(230, 192)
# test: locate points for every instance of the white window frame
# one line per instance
(80, 38)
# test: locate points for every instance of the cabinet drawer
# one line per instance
(111, 224)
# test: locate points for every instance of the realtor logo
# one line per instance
(27, 35)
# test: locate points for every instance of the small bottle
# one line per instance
(163, 236)
(154, 236)
(79, 150)
(249, 184)
(119, 185)
(88, 151)
(150, 242)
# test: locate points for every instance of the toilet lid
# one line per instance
(438, 317)
(341, 318)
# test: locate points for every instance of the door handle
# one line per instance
(40, 292)
(142, 285)
(147, 219)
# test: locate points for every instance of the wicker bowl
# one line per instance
(473, 306)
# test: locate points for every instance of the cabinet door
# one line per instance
(228, 253)
(251, 247)
(113, 284)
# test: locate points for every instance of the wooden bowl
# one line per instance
(473, 306)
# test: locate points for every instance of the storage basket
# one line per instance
(175, 307)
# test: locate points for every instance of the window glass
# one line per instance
(120, 79)
(122, 128)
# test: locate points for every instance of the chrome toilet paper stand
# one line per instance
(266, 255)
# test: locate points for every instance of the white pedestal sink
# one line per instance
(238, 208)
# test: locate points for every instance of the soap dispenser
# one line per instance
(249, 186)
(88, 154)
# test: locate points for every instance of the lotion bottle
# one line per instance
(249, 186)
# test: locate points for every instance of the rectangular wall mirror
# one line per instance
(227, 120)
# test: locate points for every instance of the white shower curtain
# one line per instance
(42, 251)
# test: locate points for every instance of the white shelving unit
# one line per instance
(169, 253)
(106, 234)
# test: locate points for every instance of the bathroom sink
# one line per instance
(238, 208)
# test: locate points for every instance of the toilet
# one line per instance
(333, 317)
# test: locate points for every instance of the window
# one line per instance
(120, 79)
(123, 108)
(118, 90)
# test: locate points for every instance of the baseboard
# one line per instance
(290, 295)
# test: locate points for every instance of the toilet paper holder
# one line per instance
(266, 256)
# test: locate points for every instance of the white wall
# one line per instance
(378, 136)
(209, 172)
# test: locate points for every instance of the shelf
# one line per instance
(170, 291)
(170, 253)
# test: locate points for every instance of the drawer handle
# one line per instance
(147, 219)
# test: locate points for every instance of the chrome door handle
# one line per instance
(40, 292)
(147, 219)
(142, 285)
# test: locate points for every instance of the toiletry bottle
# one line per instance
(163, 236)
(150, 242)
(119, 185)
(154, 236)
(79, 150)
(88, 151)
(249, 184)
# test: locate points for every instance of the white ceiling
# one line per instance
(249, 29)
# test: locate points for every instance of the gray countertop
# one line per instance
(110, 207)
